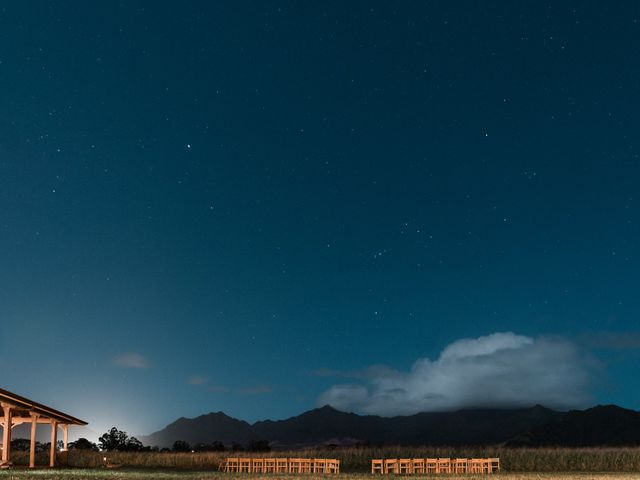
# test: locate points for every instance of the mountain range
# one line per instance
(535, 426)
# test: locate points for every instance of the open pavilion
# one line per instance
(17, 410)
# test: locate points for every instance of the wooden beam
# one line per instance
(6, 434)
(22, 404)
(54, 440)
(20, 420)
(32, 446)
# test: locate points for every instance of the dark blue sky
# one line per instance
(239, 205)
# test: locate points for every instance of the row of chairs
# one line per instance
(435, 465)
(281, 465)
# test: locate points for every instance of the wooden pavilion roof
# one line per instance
(24, 405)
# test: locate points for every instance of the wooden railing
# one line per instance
(413, 466)
(281, 465)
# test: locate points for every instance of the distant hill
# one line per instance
(607, 425)
(328, 425)
(536, 426)
(203, 429)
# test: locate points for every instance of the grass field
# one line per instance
(521, 463)
(358, 460)
(123, 474)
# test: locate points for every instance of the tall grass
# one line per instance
(142, 474)
(358, 460)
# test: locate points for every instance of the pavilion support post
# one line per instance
(54, 441)
(65, 437)
(6, 434)
(32, 446)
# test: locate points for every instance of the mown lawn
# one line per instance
(125, 474)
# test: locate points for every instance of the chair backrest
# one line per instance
(269, 465)
(391, 465)
(404, 465)
(333, 465)
(476, 465)
(417, 465)
(232, 464)
(305, 465)
(319, 465)
(444, 465)
(295, 465)
(459, 465)
(245, 464)
(282, 465)
(431, 465)
(257, 465)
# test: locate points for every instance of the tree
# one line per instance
(134, 445)
(236, 447)
(209, 447)
(21, 444)
(117, 440)
(112, 440)
(258, 446)
(83, 444)
(181, 446)
(216, 446)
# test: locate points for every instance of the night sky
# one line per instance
(261, 207)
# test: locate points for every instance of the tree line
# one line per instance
(115, 440)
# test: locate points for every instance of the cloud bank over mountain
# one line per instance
(498, 370)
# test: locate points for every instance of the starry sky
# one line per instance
(262, 206)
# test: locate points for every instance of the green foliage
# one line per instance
(117, 440)
(209, 447)
(181, 446)
(83, 444)
(237, 447)
(258, 446)
(20, 444)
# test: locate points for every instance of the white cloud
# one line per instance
(497, 370)
(131, 360)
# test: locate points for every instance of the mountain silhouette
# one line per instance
(604, 425)
(536, 426)
(328, 425)
(203, 429)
